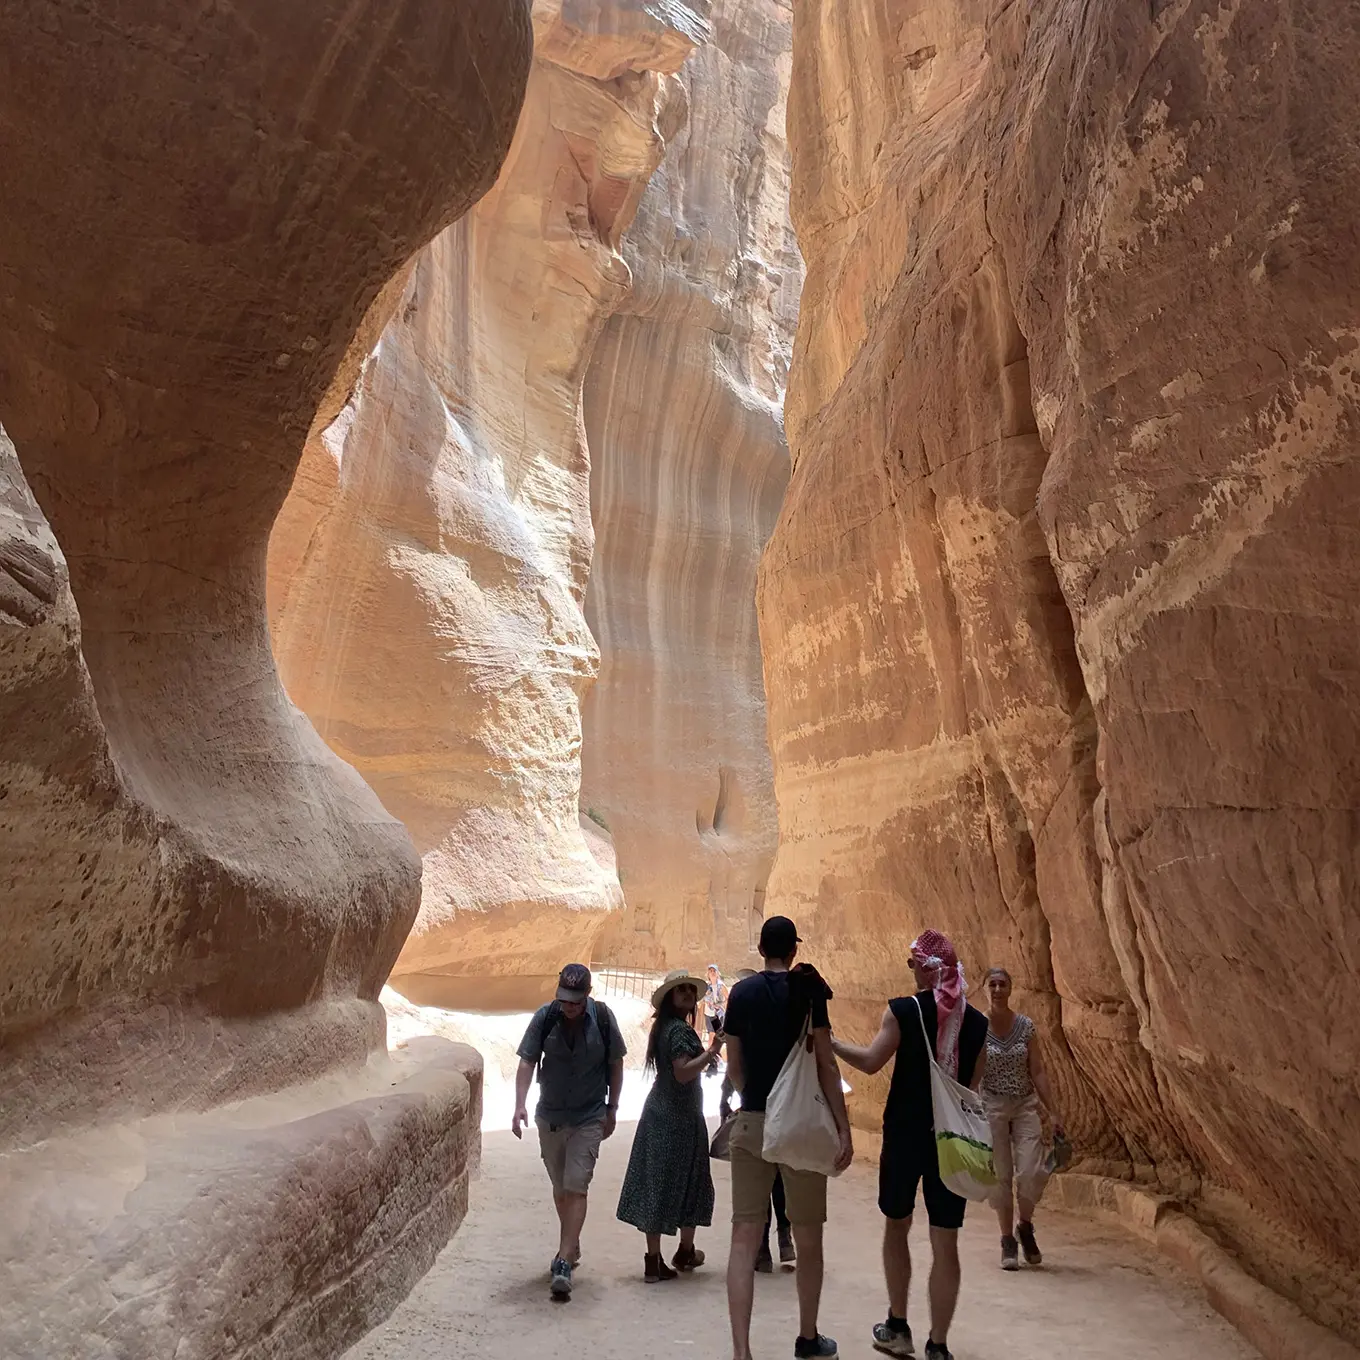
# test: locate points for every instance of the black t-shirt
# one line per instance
(909, 1113)
(768, 1022)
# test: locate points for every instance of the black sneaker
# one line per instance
(1010, 1254)
(561, 1278)
(937, 1350)
(764, 1261)
(788, 1253)
(892, 1340)
(1025, 1232)
(822, 1347)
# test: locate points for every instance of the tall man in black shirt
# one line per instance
(765, 1015)
(957, 1034)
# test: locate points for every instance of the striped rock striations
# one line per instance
(198, 901)
(428, 571)
(684, 418)
(1059, 619)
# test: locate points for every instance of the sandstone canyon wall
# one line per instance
(1059, 618)
(198, 901)
(684, 419)
(428, 571)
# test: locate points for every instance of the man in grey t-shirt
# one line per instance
(576, 1046)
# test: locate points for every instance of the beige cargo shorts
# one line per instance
(753, 1178)
(570, 1152)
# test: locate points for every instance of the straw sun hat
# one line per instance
(677, 977)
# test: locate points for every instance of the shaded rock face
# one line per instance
(428, 571)
(198, 900)
(683, 415)
(1058, 619)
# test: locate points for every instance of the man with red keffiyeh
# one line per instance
(958, 1039)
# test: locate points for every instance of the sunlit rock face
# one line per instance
(199, 901)
(428, 571)
(1059, 617)
(683, 415)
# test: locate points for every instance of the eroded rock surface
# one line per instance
(198, 900)
(428, 572)
(1059, 619)
(684, 418)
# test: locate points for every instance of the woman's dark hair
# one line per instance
(667, 1010)
(992, 972)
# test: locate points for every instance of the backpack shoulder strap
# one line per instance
(605, 1023)
(549, 1023)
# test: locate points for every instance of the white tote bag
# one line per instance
(800, 1131)
(963, 1133)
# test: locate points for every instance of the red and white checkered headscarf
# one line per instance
(935, 953)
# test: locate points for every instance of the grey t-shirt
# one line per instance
(573, 1083)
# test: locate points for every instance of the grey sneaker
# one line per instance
(937, 1350)
(1010, 1254)
(891, 1341)
(561, 1278)
(818, 1347)
(1028, 1244)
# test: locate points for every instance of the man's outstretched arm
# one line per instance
(872, 1057)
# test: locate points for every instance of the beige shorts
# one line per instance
(570, 1152)
(753, 1179)
(1018, 1150)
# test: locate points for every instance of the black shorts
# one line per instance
(900, 1171)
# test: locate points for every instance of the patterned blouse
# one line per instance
(1008, 1061)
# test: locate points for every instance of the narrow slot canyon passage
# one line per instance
(492, 485)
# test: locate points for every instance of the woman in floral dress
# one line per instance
(669, 1187)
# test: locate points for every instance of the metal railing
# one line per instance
(634, 982)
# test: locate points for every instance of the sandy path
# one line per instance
(1102, 1295)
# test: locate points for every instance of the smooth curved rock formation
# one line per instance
(427, 573)
(1059, 623)
(684, 418)
(198, 900)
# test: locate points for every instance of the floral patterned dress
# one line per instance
(669, 1184)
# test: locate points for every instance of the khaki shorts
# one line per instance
(753, 1179)
(569, 1152)
(1018, 1150)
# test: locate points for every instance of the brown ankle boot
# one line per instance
(687, 1258)
(655, 1269)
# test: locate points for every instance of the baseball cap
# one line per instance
(778, 936)
(573, 982)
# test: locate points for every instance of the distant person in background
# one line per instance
(577, 1049)
(1015, 1084)
(715, 1001)
(765, 1018)
(957, 1033)
(669, 1185)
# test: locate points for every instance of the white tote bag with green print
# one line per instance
(963, 1133)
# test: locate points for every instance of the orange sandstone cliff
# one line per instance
(198, 901)
(1059, 618)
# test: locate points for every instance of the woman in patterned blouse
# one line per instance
(1015, 1084)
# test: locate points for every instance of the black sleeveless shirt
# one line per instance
(908, 1113)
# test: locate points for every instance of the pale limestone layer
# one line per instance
(199, 901)
(683, 414)
(1059, 618)
(428, 572)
